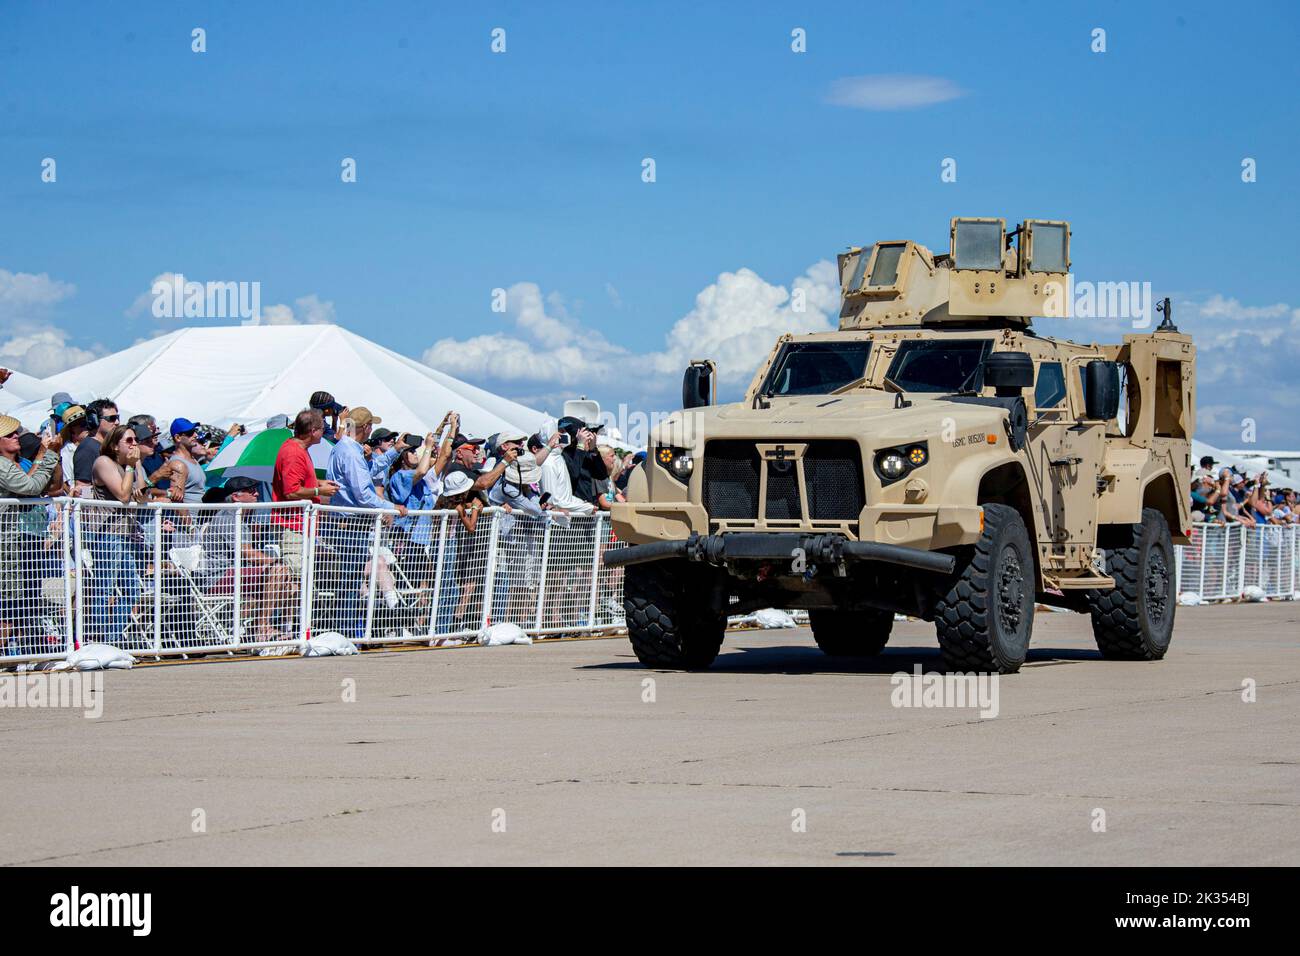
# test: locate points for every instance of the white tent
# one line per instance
(20, 390)
(1200, 449)
(246, 374)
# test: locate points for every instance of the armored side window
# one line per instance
(1050, 389)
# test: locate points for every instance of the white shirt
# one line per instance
(65, 455)
(555, 479)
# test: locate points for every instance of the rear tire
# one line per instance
(985, 619)
(669, 617)
(851, 633)
(1134, 621)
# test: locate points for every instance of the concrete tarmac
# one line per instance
(555, 754)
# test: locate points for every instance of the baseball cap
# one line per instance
(182, 425)
(61, 398)
(29, 445)
(277, 421)
(572, 425)
(1207, 461)
(238, 483)
(325, 402)
(362, 417)
(9, 425)
(457, 483)
(465, 440)
(143, 433)
(382, 434)
(510, 435)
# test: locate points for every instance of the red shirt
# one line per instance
(293, 470)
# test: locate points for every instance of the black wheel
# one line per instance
(985, 618)
(851, 633)
(1134, 621)
(669, 619)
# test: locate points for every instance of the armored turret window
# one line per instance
(817, 368)
(939, 365)
(855, 280)
(1050, 388)
(978, 244)
(1049, 247)
(885, 271)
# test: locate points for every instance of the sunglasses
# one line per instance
(112, 418)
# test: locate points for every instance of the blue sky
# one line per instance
(522, 171)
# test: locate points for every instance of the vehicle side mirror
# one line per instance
(1101, 390)
(1008, 372)
(697, 385)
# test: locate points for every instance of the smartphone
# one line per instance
(546, 496)
(565, 439)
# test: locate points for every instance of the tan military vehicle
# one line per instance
(933, 457)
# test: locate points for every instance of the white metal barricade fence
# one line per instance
(166, 578)
(36, 592)
(1224, 560)
(163, 579)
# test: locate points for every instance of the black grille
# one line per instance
(731, 479)
(783, 492)
(833, 472)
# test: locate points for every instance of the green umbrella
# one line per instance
(253, 456)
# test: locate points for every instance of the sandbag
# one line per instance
(503, 633)
(95, 657)
(328, 644)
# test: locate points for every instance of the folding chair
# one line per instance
(214, 612)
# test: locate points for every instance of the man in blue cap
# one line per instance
(187, 472)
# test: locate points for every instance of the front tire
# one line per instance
(851, 633)
(670, 620)
(1134, 621)
(985, 619)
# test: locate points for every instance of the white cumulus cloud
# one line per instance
(23, 292)
(735, 321)
(44, 351)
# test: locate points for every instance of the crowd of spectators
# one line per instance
(85, 450)
(1227, 495)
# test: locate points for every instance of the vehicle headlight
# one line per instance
(899, 461)
(892, 465)
(678, 461)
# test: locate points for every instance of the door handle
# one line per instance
(1066, 462)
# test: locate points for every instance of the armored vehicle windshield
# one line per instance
(817, 368)
(945, 365)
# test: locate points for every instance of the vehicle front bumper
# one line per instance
(833, 550)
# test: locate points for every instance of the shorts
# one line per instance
(291, 550)
(251, 576)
